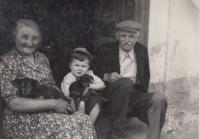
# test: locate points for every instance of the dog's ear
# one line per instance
(16, 82)
(35, 82)
(91, 79)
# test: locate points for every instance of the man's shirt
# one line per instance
(128, 65)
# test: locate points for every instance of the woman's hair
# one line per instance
(28, 23)
(81, 54)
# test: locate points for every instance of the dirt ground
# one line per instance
(182, 119)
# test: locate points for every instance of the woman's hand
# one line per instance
(60, 105)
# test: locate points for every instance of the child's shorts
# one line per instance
(91, 100)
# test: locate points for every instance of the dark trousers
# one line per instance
(2, 107)
(126, 101)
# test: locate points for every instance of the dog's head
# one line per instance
(77, 88)
(86, 80)
(24, 85)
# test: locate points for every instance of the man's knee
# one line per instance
(159, 100)
(120, 89)
(125, 83)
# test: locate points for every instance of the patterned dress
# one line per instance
(41, 125)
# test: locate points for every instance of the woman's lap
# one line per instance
(60, 125)
(19, 125)
(52, 126)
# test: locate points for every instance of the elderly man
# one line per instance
(124, 66)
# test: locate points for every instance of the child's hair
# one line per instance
(81, 54)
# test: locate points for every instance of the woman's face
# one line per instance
(27, 40)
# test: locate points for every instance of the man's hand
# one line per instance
(111, 77)
(115, 76)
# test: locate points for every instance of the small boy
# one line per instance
(79, 65)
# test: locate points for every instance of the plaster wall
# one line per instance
(173, 39)
(174, 62)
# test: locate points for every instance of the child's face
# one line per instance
(78, 68)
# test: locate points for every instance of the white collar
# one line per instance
(122, 54)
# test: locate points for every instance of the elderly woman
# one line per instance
(27, 118)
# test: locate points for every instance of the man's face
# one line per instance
(127, 39)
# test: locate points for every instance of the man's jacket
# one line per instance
(107, 60)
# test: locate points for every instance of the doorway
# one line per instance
(67, 24)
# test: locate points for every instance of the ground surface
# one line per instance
(182, 120)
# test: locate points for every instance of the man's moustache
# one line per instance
(126, 43)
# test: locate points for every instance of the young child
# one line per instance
(79, 65)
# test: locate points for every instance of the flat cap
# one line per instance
(129, 25)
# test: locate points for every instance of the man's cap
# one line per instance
(83, 50)
(129, 25)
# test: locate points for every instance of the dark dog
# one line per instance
(77, 88)
(30, 88)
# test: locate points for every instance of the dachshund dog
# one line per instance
(30, 88)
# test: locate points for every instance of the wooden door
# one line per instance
(109, 13)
